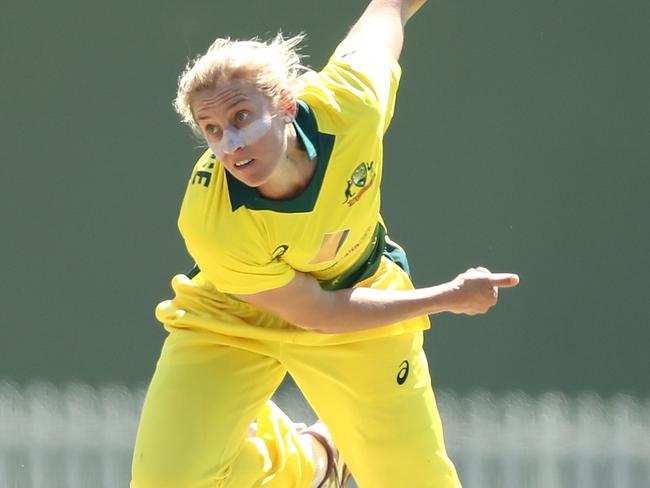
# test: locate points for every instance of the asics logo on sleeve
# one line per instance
(403, 372)
(279, 252)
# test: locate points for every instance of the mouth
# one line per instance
(245, 162)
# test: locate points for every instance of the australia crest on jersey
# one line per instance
(360, 181)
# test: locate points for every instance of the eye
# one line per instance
(242, 116)
(213, 130)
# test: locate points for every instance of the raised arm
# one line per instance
(303, 302)
(381, 26)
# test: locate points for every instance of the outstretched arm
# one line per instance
(381, 26)
(303, 302)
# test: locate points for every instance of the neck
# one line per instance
(294, 172)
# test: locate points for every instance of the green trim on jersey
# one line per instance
(317, 144)
(396, 254)
(305, 117)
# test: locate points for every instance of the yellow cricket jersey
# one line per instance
(244, 243)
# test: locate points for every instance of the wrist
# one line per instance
(444, 298)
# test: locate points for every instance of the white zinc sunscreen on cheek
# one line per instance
(234, 138)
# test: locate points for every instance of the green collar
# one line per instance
(317, 144)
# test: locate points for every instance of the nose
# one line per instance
(227, 150)
(232, 141)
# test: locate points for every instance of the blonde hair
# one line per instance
(270, 66)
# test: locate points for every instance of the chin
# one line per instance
(254, 181)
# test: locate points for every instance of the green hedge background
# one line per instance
(521, 142)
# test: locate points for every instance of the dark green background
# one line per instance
(521, 142)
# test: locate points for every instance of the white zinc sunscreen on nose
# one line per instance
(234, 138)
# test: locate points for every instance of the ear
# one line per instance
(288, 105)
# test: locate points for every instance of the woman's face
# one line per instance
(244, 129)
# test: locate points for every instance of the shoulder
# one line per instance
(356, 85)
(202, 192)
(356, 69)
(204, 169)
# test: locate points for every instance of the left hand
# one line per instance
(477, 290)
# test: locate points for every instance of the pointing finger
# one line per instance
(504, 280)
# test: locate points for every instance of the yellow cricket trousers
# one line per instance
(374, 395)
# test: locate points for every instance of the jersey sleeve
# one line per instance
(357, 85)
(244, 270)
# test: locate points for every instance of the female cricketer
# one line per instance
(295, 274)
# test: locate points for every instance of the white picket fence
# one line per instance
(77, 436)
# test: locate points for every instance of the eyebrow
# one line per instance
(238, 99)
